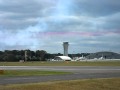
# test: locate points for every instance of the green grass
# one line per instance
(31, 73)
(78, 63)
(85, 84)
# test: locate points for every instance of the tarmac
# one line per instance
(79, 72)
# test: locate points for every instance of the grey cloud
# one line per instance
(30, 24)
(112, 21)
(97, 7)
(15, 13)
(21, 6)
(14, 47)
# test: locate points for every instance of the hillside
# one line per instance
(106, 55)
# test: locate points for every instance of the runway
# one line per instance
(79, 72)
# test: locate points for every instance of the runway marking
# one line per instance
(83, 69)
(19, 78)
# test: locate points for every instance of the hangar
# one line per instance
(62, 58)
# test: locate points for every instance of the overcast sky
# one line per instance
(88, 25)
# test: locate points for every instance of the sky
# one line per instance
(88, 25)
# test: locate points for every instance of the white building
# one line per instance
(62, 58)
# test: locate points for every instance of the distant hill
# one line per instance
(105, 54)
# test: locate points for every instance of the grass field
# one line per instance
(85, 84)
(31, 73)
(65, 63)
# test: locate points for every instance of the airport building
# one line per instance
(65, 47)
(65, 56)
(62, 58)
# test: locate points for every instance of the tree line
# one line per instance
(28, 55)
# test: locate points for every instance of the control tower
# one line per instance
(65, 46)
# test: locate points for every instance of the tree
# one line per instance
(1, 56)
(22, 52)
(10, 58)
(1, 53)
(40, 54)
(28, 55)
(15, 52)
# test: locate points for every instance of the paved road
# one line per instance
(79, 72)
